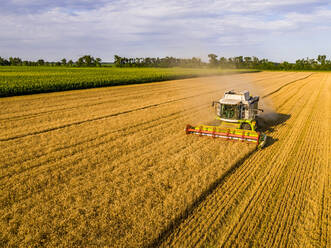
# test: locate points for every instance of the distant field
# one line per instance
(30, 80)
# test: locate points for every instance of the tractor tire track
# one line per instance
(285, 85)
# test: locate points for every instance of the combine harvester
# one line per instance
(237, 113)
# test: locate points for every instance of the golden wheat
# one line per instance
(113, 167)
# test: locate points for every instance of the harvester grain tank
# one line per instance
(237, 113)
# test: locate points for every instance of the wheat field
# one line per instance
(113, 167)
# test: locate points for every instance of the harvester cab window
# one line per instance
(242, 110)
(229, 111)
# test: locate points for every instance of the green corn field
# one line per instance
(21, 80)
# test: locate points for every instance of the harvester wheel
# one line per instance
(245, 126)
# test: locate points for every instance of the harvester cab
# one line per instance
(238, 107)
(237, 114)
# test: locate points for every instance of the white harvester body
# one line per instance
(241, 105)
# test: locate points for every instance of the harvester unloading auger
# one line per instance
(237, 113)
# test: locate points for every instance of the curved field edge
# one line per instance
(15, 81)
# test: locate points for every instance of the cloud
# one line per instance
(56, 29)
(37, 6)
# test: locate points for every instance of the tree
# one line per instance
(70, 63)
(239, 61)
(88, 60)
(4, 61)
(212, 60)
(40, 62)
(80, 61)
(321, 59)
(248, 62)
(63, 61)
(15, 61)
(97, 61)
(285, 66)
(117, 60)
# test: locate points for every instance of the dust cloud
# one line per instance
(205, 90)
(269, 113)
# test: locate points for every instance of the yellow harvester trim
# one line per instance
(227, 133)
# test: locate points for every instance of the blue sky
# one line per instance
(281, 30)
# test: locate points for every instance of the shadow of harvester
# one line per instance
(267, 123)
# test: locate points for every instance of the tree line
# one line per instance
(157, 62)
(86, 60)
(239, 62)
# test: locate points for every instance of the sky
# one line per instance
(280, 30)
